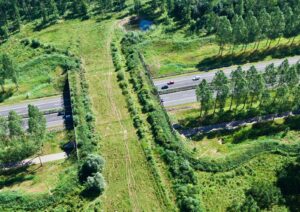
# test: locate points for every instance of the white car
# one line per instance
(196, 78)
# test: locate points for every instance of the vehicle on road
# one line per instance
(67, 117)
(171, 83)
(196, 78)
(165, 87)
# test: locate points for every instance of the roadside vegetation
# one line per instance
(128, 156)
(246, 94)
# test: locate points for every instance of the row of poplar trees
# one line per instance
(276, 89)
(14, 12)
(234, 22)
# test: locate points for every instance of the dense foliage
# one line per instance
(17, 145)
(183, 175)
(276, 90)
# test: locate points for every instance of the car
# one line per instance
(171, 83)
(165, 87)
(196, 78)
(68, 117)
(162, 100)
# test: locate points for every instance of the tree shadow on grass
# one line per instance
(15, 176)
(219, 61)
(6, 94)
(257, 130)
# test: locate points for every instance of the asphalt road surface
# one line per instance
(189, 96)
(186, 81)
(44, 104)
(52, 121)
(179, 98)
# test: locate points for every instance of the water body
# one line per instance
(145, 25)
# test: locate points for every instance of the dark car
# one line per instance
(171, 83)
(165, 87)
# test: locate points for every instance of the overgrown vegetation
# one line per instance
(184, 180)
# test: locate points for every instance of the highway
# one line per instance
(182, 81)
(52, 121)
(44, 104)
(189, 96)
(179, 98)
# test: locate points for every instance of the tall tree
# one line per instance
(224, 32)
(277, 24)
(36, 123)
(220, 86)
(204, 96)
(9, 70)
(14, 124)
(270, 75)
(254, 30)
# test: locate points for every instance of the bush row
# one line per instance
(83, 117)
(184, 178)
(138, 124)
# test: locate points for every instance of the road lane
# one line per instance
(44, 104)
(178, 98)
(52, 121)
(186, 81)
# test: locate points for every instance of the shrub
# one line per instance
(35, 44)
(120, 76)
(264, 194)
(95, 185)
(91, 165)
(25, 41)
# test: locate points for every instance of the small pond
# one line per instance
(145, 25)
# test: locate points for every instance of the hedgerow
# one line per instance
(139, 125)
(183, 175)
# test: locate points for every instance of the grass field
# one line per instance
(130, 182)
(33, 179)
(40, 73)
(54, 140)
(167, 55)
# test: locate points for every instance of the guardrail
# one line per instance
(174, 90)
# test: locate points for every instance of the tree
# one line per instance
(264, 21)
(9, 71)
(296, 101)
(91, 165)
(95, 184)
(4, 32)
(14, 125)
(36, 123)
(255, 83)
(220, 86)
(291, 77)
(204, 96)
(277, 24)
(239, 86)
(239, 30)
(265, 100)
(290, 22)
(137, 6)
(270, 75)
(253, 27)
(224, 32)
(281, 96)
(282, 70)
(264, 194)
(3, 128)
